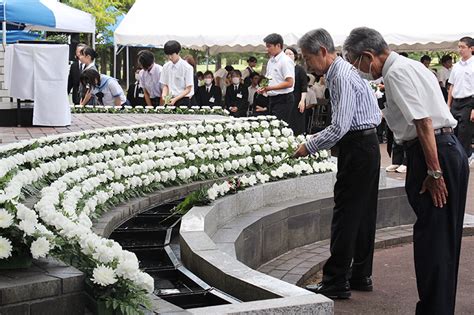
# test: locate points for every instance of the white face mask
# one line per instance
(137, 76)
(364, 75)
(208, 81)
(236, 80)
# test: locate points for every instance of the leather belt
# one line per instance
(358, 133)
(437, 132)
(464, 98)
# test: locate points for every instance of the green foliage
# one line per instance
(196, 198)
(100, 9)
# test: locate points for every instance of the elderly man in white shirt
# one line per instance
(438, 172)
(461, 94)
(281, 71)
(149, 77)
(177, 76)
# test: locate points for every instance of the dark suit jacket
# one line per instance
(203, 96)
(73, 81)
(232, 99)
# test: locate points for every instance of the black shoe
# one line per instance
(334, 291)
(362, 284)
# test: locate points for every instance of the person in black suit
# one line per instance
(237, 96)
(74, 75)
(209, 94)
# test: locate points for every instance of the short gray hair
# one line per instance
(315, 39)
(364, 39)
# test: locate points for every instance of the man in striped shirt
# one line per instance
(355, 115)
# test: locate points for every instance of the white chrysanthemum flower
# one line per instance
(128, 268)
(103, 275)
(6, 219)
(40, 248)
(5, 248)
(212, 194)
(27, 226)
(146, 282)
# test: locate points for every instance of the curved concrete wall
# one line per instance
(223, 242)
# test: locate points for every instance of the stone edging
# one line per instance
(47, 287)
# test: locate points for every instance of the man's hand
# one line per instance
(233, 109)
(437, 189)
(262, 90)
(260, 109)
(301, 106)
(472, 115)
(173, 101)
(302, 151)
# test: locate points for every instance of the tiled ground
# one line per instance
(299, 264)
(91, 121)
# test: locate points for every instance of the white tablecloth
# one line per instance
(39, 72)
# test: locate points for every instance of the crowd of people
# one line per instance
(239, 92)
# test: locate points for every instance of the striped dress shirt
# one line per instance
(353, 105)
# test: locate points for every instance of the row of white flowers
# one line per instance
(79, 175)
(200, 110)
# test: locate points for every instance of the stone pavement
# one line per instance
(92, 121)
(395, 287)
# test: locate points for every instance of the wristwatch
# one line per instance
(435, 174)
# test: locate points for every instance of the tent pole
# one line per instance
(115, 61)
(207, 59)
(4, 37)
(128, 67)
(93, 40)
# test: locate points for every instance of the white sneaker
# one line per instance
(401, 169)
(392, 168)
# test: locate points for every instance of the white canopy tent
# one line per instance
(224, 26)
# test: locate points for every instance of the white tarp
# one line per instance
(39, 72)
(241, 26)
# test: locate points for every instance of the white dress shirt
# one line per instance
(252, 91)
(412, 93)
(150, 80)
(177, 76)
(279, 68)
(462, 78)
(443, 75)
(221, 73)
(111, 89)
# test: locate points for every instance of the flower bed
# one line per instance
(78, 176)
(193, 110)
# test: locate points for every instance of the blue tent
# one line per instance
(44, 15)
(14, 36)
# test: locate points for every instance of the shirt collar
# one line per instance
(332, 68)
(278, 57)
(389, 62)
(467, 62)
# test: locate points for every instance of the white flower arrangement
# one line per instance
(80, 175)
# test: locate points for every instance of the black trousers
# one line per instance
(355, 210)
(280, 106)
(398, 154)
(461, 111)
(185, 101)
(437, 232)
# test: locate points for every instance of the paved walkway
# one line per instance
(92, 121)
(395, 287)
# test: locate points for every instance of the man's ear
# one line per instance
(323, 51)
(369, 55)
